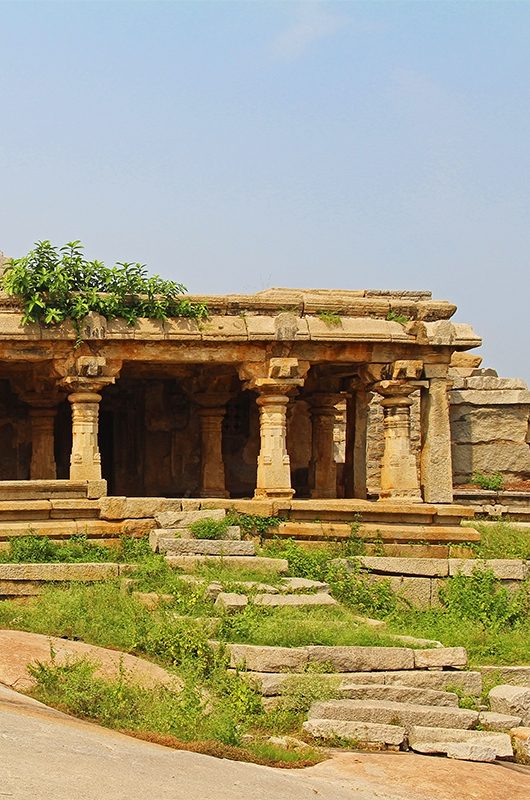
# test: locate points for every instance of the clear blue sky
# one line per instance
(239, 145)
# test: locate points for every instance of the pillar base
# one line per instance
(273, 494)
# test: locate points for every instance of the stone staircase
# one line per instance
(394, 698)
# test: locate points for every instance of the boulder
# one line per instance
(295, 600)
(513, 700)
(231, 602)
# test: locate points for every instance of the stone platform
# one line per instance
(59, 509)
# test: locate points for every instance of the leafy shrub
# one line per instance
(209, 528)
(34, 548)
(482, 598)
(346, 581)
(492, 483)
(57, 284)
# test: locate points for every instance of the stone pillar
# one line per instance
(322, 468)
(85, 460)
(211, 415)
(436, 462)
(399, 473)
(274, 466)
(42, 466)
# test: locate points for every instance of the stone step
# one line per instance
(294, 600)
(425, 739)
(205, 547)
(261, 658)
(394, 713)
(271, 684)
(365, 732)
(46, 490)
(27, 510)
(398, 694)
(492, 721)
(189, 563)
(394, 532)
(58, 529)
(232, 533)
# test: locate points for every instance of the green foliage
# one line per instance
(330, 318)
(58, 284)
(34, 548)
(254, 524)
(122, 704)
(395, 316)
(345, 578)
(501, 540)
(209, 528)
(493, 483)
(482, 598)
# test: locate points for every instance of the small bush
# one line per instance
(482, 598)
(493, 483)
(209, 528)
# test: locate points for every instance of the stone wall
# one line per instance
(490, 427)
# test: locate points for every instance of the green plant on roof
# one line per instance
(330, 318)
(55, 284)
(395, 316)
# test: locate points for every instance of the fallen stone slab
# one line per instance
(514, 700)
(517, 676)
(206, 547)
(503, 568)
(521, 743)
(255, 586)
(361, 659)
(440, 657)
(471, 751)
(366, 732)
(370, 622)
(467, 682)
(267, 659)
(388, 713)
(231, 602)
(275, 683)
(294, 600)
(492, 721)
(59, 572)
(302, 584)
(436, 740)
(152, 600)
(425, 567)
(398, 694)
(20, 648)
(413, 641)
(191, 562)
(183, 519)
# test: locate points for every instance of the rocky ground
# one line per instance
(47, 754)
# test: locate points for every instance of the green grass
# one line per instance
(78, 548)
(502, 540)
(297, 627)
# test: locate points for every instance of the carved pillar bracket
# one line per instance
(436, 461)
(322, 467)
(84, 385)
(275, 381)
(212, 409)
(399, 473)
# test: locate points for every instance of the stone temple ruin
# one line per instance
(286, 396)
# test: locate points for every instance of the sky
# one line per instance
(234, 146)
